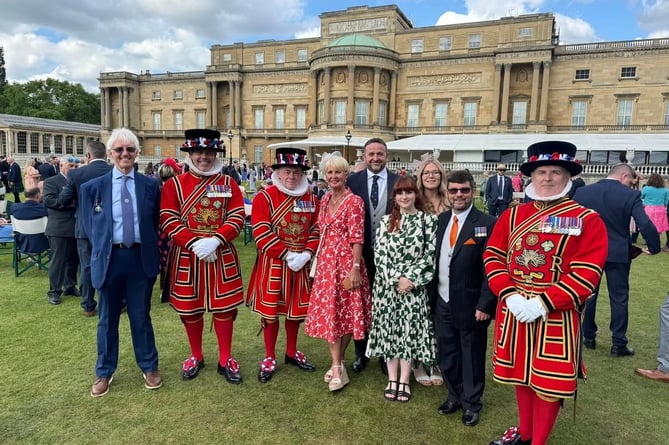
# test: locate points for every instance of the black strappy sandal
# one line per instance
(390, 393)
(403, 396)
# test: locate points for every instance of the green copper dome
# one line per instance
(356, 40)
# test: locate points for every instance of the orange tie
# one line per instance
(454, 231)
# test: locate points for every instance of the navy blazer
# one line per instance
(47, 171)
(30, 209)
(468, 286)
(98, 225)
(76, 177)
(617, 204)
(492, 189)
(357, 182)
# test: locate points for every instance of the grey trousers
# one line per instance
(663, 351)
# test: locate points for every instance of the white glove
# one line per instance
(205, 247)
(298, 260)
(211, 258)
(531, 310)
(515, 303)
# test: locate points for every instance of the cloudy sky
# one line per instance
(75, 40)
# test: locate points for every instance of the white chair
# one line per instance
(31, 246)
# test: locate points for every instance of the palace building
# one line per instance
(373, 74)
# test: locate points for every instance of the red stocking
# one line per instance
(292, 329)
(194, 325)
(545, 415)
(223, 325)
(270, 334)
(525, 397)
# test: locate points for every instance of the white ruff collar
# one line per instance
(214, 171)
(300, 190)
(530, 192)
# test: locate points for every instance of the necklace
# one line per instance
(334, 201)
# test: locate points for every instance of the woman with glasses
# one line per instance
(402, 329)
(431, 183)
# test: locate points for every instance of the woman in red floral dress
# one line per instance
(340, 303)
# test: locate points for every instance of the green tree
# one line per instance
(3, 71)
(52, 99)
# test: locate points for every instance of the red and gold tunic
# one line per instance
(554, 251)
(192, 207)
(281, 224)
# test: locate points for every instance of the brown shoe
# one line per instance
(101, 386)
(152, 380)
(90, 313)
(654, 374)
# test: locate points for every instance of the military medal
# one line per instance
(98, 207)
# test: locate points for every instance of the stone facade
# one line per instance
(372, 73)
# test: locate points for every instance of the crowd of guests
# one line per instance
(404, 266)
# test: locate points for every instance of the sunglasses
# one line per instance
(501, 169)
(73, 160)
(463, 190)
(119, 150)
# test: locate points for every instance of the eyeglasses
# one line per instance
(119, 150)
(463, 190)
(431, 173)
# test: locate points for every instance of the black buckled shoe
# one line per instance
(300, 360)
(590, 343)
(267, 369)
(231, 371)
(191, 368)
(511, 437)
(470, 418)
(449, 407)
(359, 364)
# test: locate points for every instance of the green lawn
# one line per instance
(48, 356)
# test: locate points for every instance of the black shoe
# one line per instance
(267, 369)
(449, 407)
(590, 343)
(300, 360)
(54, 300)
(383, 365)
(191, 368)
(470, 418)
(73, 291)
(511, 437)
(359, 364)
(231, 371)
(621, 351)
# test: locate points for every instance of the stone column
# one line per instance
(126, 107)
(208, 122)
(544, 92)
(393, 99)
(214, 105)
(496, 92)
(350, 107)
(231, 106)
(313, 113)
(535, 91)
(108, 109)
(238, 107)
(103, 108)
(505, 94)
(375, 96)
(326, 97)
(121, 111)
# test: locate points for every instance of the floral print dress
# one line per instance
(334, 311)
(401, 323)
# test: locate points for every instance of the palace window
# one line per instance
(583, 74)
(301, 117)
(628, 72)
(257, 154)
(383, 106)
(258, 118)
(624, 115)
(199, 118)
(321, 111)
(69, 145)
(260, 58)
(469, 114)
(445, 43)
(155, 95)
(301, 55)
(525, 32)
(666, 113)
(80, 146)
(199, 94)
(474, 41)
(178, 94)
(519, 116)
(156, 120)
(34, 143)
(280, 56)
(413, 115)
(416, 46)
(280, 118)
(178, 120)
(579, 109)
(440, 114)
(361, 112)
(156, 150)
(227, 57)
(340, 112)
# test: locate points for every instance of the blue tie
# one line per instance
(374, 196)
(127, 214)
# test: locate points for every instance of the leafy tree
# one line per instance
(3, 71)
(51, 99)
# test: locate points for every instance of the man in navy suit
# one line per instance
(462, 304)
(378, 202)
(49, 168)
(119, 213)
(31, 209)
(498, 192)
(616, 203)
(97, 166)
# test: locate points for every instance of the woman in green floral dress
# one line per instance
(402, 328)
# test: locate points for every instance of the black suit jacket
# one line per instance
(492, 189)
(357, 182)
(46, 170)
(72, 190)
(616, 204)
(468, 285)
(61, 218)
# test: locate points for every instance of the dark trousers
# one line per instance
(125, 280)
(64, 264)
(85, 285)
(496, 208)
(617, 283)
(462, 357)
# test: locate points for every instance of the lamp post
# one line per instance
(230, 136)
(348, 143)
